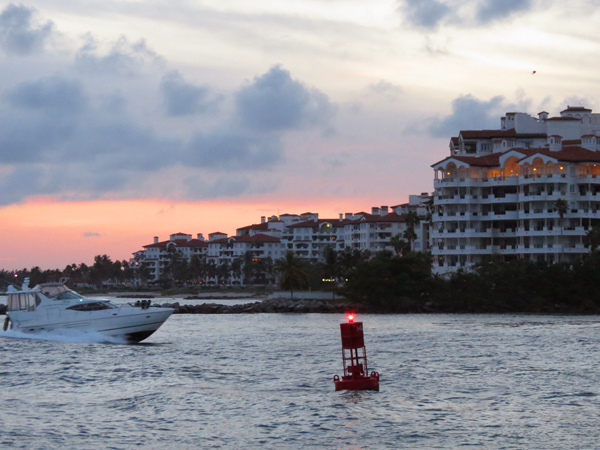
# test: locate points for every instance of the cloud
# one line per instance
(468, 113)
(182, 98)
(94, 126)
(19, 184)
(91, 234)
(425, 13)
(19, 35)
(276, 102)
(123, 58)
(234, 151)
(51, 93)
(492, 10)
(223, 186)
(432, 14)
(384, 89)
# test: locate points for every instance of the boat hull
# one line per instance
(131, 324)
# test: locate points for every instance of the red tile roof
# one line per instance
(246, 238)
(316, 223)
(490, 134)
(562, 118)
(179, 243)
(256, 226)
(256, 238)
(567, 154)
(575, 108)
(390, 217)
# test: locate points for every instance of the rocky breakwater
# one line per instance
(275, 305)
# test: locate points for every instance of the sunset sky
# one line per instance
(121, 120)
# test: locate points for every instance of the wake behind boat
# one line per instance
(52, 306)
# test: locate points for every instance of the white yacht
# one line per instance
(52, 306)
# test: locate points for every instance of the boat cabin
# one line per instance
(22, 301)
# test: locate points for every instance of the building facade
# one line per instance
(304, 234)
(497, 192)
(157, 255)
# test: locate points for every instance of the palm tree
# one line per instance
(176, 268)
(400, 245)
(197, 269)
(562, 207)
(412, 220)
(593, 238)
(236, 268)
(292, 272)
(331, 267)
(211, 270)
(348, 259)
(248, 268)
(224, 273)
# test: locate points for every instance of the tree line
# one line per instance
(392, 283)
(398, 281)
(103, 270)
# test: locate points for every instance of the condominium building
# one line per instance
(304, 234)
(496, 193)
(257, 246)
(155, 256)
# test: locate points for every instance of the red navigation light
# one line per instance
(350, 317)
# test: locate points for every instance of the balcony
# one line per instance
(506, 215)
(543, 177)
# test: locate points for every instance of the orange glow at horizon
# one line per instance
(52, 235)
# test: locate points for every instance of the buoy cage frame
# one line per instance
(354, 356)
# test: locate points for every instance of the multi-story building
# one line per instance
(374, 232)
(496, 193)
(257, 246)
(156, 255)
(304, 234)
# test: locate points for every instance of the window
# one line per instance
(22, 301)
(91, 306)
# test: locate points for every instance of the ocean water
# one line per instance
(264, 381)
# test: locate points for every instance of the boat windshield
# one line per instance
(59, 292)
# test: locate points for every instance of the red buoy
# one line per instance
(354, 356)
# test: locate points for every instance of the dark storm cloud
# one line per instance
(276, 102)
(468, 113)
(235, 151)
(182, 98)
(19, 35)
(123, 58)
(51, 93)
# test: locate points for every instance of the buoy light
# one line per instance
(350, 317)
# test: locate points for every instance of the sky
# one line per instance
(121, 120)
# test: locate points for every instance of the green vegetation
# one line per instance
(292, 273)
(399, 282)
(390, 283)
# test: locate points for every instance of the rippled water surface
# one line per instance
(265, 382)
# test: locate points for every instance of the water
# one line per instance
(265, 382)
